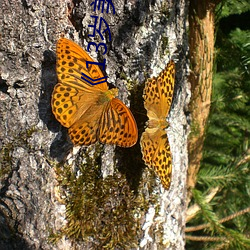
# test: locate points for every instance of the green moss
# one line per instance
(164, 10)
(105, 212)
(129, 83)
(164, 45)
(28, 133)
(19, 140)
(123, 76)
(5, 160)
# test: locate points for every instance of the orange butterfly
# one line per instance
(91, 112)
(158, 93)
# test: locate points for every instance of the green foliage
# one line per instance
(207, 211)
(226, 153)
(230, 7)
(218, 176)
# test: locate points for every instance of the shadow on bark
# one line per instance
(61, 145)
(130, 159)
(9, 239)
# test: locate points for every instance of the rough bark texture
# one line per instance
(201, 40)
(32, 142)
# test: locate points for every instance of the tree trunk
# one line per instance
(56, 196)
(201, 40)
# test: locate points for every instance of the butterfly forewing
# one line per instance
(71, 63)
(158, 92)
(63, 105)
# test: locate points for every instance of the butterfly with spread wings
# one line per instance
(158, 93)
(91, 112)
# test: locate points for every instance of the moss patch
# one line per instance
(103, 212)
(20, 140)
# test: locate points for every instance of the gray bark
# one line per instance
(32, 142)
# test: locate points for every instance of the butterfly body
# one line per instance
(107, 95)
(90, 112)
(158, 93)
(157, 123)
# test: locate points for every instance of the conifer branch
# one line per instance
(194, 209)
(245, 159)
(230, 217)
(205, 238)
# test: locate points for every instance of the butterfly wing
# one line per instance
(69, 104)
(71, 63)
(73, 96)
(117, 125)
(158, 93)
(85, 130)
(156, 154)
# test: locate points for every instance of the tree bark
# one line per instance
(44, 180)
(201, 40)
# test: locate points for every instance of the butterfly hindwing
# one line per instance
(157, 155)
(84, 133)
(118, 125)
